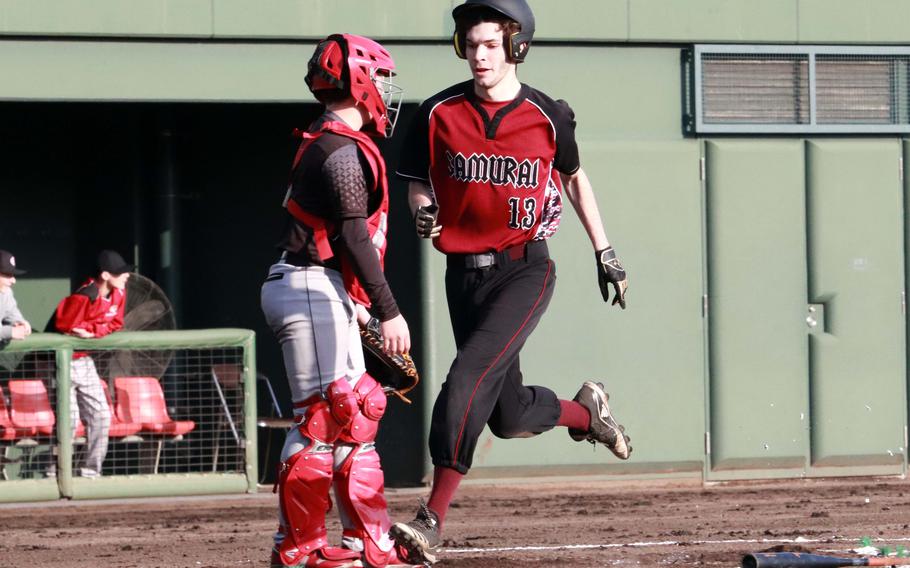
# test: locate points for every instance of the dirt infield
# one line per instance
(603, 523)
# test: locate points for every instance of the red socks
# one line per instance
(446, 479)
(445, 484)
(574, 415)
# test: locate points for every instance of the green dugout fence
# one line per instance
(183, 415)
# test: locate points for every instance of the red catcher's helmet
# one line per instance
(517, 10)
(363, 69)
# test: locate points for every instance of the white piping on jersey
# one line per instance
(545, 115)
(553, 126)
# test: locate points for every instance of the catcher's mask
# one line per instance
(518, 10)
(363, 69)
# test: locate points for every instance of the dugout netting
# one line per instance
(179, 406)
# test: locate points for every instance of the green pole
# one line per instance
(64, 428)
(249, 413)
(430, 351)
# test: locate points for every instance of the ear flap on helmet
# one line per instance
(458, 44)
(326, 69)
(513, 46)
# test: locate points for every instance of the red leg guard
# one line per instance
(359, 486)
(303, 495)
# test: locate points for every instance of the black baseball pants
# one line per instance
(493, 312)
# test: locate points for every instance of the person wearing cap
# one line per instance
(12, 324)
(94, 310)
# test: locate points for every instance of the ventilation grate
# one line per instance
(799, 89)
(759, 89)
(861, 90)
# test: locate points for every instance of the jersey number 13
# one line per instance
(522, 213)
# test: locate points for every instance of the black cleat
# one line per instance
(604, 428)
(418, 537)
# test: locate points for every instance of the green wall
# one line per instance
(743, 389)
(786, 21)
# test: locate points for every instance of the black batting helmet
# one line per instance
(517, 10)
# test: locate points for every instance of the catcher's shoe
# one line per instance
(604, 428)
(418, 537)
(318, 559)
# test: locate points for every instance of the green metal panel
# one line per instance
(251, 442)
(623, 94)
(905, 177)
(135, 71)
(63, 427)
(603, 20)
(805, 21)
(713, 20)
(859, 21)
(156, 71)
(38, 297)
(655, 232)
(187, 18)
(23, 491)
(184, 338)
(413, 19)
(625, 103)
(161, 485)
(405, 19)
(757, 305)
(857, 375)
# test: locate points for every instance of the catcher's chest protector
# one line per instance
(377, 222)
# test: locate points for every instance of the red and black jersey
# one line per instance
(337, 205)
(87, 309)
(495, 172)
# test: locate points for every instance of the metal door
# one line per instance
(857, 389)
(758, 355)
(806, 330)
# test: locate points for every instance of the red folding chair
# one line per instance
(30, 407)
(8, 431)
(140, 400)
(119, 429)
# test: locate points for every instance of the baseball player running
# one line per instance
(329, 271)
(487, 161)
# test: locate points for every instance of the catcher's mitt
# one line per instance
(396, 373)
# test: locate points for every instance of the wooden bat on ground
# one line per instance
(803, 560)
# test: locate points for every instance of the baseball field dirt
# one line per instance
(579, 523)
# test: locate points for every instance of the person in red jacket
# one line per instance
(95, 309)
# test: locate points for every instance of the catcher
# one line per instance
(330, 270)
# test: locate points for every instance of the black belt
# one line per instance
(294, 258)
(302, 259)
(531, 250)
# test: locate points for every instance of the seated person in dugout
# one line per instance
(12, 324)
(94, 310)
